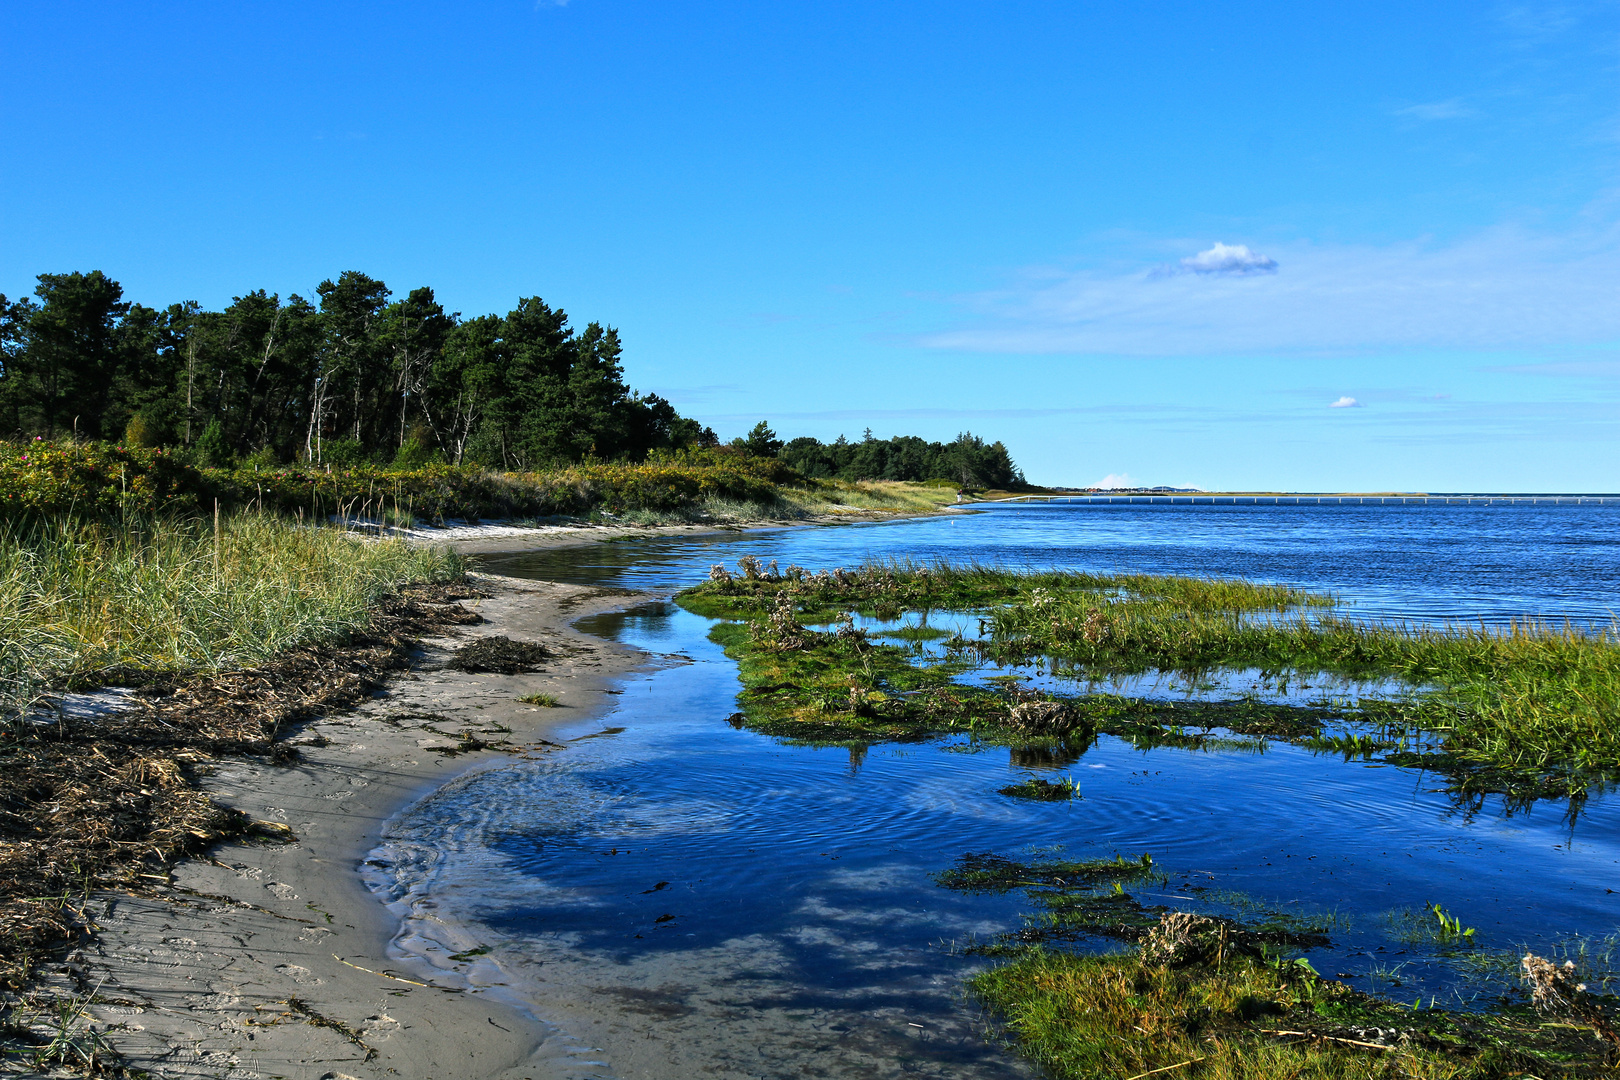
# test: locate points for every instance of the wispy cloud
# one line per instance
(1569, 369)
(1450, 109)
(1117, 480)
(1502, 289)
(1345, 403)
(1535, 24)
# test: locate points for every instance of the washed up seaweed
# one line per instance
(499, 655)
(113, 800)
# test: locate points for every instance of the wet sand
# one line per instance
(271, 959)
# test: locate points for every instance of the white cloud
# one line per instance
(1117, 480)
(1345, 403)
(1450, 109)
(1229, 259)
(1501, 289)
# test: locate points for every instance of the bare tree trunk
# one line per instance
(191, 376)
(264, 362)
(317, 420)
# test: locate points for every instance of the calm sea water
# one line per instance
(1433, 563)
(683, 898)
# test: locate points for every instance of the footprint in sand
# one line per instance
(281, 891)
(300, 975)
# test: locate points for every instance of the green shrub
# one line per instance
(211, 450)
(262, 458)
(139, 434)
(41, 479)
(415, 454)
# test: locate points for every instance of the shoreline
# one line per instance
(265, 959)
(260, 958)
(503, 538)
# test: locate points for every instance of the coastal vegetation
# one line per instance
(1210, 996)
(1258, 1016)
(359, 380)
(890, 652)
(84, 603)
(1528, 709)
(968, 461)
(41, 481)
(220, 632)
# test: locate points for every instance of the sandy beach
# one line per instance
(270, 959)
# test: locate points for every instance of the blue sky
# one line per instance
(1238, 245)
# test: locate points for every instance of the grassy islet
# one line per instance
(1527, 709)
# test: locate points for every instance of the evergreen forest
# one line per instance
(356, 375)
(967, 461)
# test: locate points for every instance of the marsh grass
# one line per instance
(884, 496)
(1596, 960)
(905, 585)
(1272, 916)
(1431, 926)
(1529, 709)
(1122, 1016)
(1040, 789)
(1525, 696)
(83, 603)
(1216, 997)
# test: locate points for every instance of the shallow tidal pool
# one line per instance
(681, 897)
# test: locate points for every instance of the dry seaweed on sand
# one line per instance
(112, 801)
(499, 655)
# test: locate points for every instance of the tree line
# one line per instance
(967, 460)
(351, 375)
(357, 375)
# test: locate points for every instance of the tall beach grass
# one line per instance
(80, 600)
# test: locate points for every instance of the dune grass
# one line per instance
(81, 602)
(44, 481)
(797, 502)
(891, 496)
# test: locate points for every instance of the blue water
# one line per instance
(797, 930)
(1434, 563)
